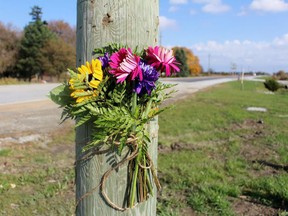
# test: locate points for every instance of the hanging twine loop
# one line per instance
(132, 143)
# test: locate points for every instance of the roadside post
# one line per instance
(100, 22)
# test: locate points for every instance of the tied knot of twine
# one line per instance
(131, 141)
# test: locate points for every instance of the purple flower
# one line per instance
(147, 84)
(104, 60)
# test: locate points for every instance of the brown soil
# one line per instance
(26, 119)
(244, 207)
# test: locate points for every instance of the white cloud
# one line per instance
(281, 41)
(193, 12)
(213, 6)
(167, 23)
(243, 12)
(204, 1)
(178, 1)
(269, 5)
(249, 55)
(216, 8)
(173, 8)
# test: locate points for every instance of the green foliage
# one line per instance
(36, 13)
(114, 47)
(36, 34)
(272, 84)
(61, 95)
(40, 49)
(111, 48)
(192, 61)
(181, 57)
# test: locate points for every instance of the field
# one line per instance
(215, 158)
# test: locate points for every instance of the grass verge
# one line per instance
(38, 179)
(216, 158)
(10, 81)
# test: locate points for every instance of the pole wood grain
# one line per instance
(100, 22)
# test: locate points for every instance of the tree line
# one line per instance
(190, 63)
(48, 49)
(42, 48)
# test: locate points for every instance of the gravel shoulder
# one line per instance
(31, 121)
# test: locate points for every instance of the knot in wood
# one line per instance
(107, 19)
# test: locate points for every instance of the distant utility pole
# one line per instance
(233, 67)
(99, 23)
(209, 68)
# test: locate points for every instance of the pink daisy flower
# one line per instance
(162, 59)
(123, 64)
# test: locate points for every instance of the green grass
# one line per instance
(271, 190)
(4, 152)
(38, 180)
(220, 141)
(211, 157)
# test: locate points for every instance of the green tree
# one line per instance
(36, 13)
(181, 57)
(36, 34)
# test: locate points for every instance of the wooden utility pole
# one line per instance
(100, 22)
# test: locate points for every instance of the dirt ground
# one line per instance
(30, 121)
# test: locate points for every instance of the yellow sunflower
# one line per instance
(89, 76)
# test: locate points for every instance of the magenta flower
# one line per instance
(162, 59)
(123, 64)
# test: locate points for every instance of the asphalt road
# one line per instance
(12, 94)
(187, 86)
(26, 112)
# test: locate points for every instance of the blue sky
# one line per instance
(253, 34)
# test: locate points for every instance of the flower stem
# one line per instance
(148, 108)
(136, 166)
(134, 103)
(150, 189)
(134, 180)
(144, 178)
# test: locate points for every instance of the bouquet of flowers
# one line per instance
(118, 93)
